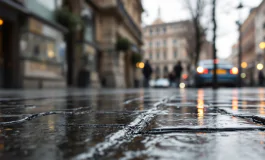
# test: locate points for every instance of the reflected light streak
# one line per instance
(262, 103)
(200, 107)
(51, 124)
(235, 104)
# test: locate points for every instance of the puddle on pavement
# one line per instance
(80, 121)
(77, 123)
(194, 117)
(201, 146)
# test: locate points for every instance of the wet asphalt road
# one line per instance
(133, 124)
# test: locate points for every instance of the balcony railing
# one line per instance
(118, 4)
(130, 20)
(105, 3)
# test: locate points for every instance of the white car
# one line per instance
(161, 82)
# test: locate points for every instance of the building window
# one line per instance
(157, 44)
(174, 41)
(165, 42)
(157, 72)
(157, 30)
(151, 56)
(175, 54)
(165, 71)
(165, 29)
(50, 4)
(150, 44)
(165, 55)
(38, 47)
(151, 32)
(158, 55)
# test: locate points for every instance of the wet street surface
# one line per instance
(133, 124)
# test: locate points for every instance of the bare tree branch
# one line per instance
(195, 35)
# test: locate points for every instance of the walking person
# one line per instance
(147, 72)
(261, 78)
(178, 71)
(171, 78)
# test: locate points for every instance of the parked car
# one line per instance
(160, 83)
(226, 73)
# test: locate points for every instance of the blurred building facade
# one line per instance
(165, 45)
(118, 19)
(248, 31)
(233, 58)
(206, 51)
(46, 53)
(32, 43)
(253, 33)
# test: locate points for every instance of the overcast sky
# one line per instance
(227, 15)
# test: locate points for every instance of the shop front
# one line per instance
(42, 61)
(12, 16)
(87, 75)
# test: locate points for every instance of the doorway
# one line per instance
(1, 54)
(5, 54)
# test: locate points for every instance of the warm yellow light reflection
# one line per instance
(140, 65)
(235, 104)
(51, 124)
(262, 45)
(200, 107)
(244, 65)
(1, 22)
(262, 102)
(51, 54)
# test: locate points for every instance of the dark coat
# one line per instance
(147, 71)
(178, 70)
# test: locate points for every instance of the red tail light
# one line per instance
(234, 71)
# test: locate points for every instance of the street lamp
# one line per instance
(140, 65)
(244, 65)
(260, 66)
(239, 78)
(262, 46)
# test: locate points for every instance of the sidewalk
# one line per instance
(132, 124)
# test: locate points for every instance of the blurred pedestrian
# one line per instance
(147, 72)
(261, 78)
(178, 71)
(171, 78)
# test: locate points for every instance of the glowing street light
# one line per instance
(243, 75)
(1, 22)
(140, 65)
(262, 45)
(182, 85)
(260, 66)
(244, 65)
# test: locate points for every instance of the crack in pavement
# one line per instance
(37, 115)
(200, 130)
(123, 135)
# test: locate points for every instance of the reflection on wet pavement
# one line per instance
(201, 146)
(132, 124)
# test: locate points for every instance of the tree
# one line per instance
(214, 43)
(195, 34)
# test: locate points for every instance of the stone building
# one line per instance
(248, 31)
(30, 41)
(165, 45)
(82, 50)
(117, 19)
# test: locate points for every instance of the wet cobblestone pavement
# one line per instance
(133, 124)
